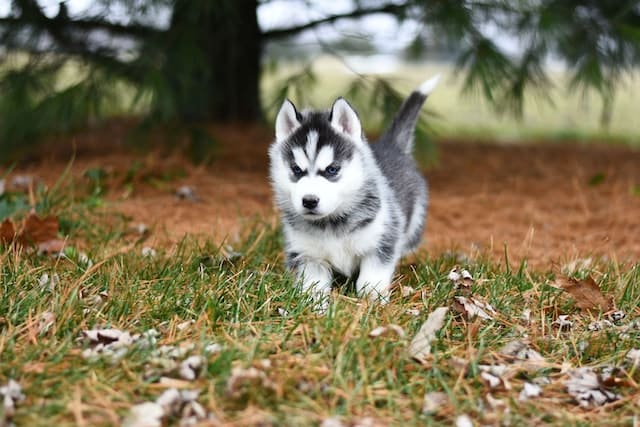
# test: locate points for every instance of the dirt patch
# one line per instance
(546, 203)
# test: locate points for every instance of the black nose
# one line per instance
(310, 202)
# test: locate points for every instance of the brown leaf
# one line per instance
(384, 330)
(420, 346)
(7, 232)
(586, 293)
(471, 307)
(54, 246)
(37, 230)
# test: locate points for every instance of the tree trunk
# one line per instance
(213, 60)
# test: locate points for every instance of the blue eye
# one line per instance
(332, 170)
(296, 170)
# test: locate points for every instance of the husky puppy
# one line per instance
(346, 205)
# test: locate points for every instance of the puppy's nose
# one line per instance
(310, 202)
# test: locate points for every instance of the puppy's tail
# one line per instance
(403, 126)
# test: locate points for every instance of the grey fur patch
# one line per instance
(387, 248)
(403, 125)
(292, 260)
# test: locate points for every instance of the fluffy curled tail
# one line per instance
(403, 126)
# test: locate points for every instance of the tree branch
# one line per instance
(31, 14)
(356, 13)
(89, 24)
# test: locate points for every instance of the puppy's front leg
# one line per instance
(316, 281)
(375, 277)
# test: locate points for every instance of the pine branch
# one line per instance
(68, 37)
(89, 24)
(31, 14)
(356, 13)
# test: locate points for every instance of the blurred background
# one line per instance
(160, 112)
(513, 70)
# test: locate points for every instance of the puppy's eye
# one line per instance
(296, 170)
(332, 170)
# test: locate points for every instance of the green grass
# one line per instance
(319, 366)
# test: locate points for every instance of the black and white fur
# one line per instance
(347, 206)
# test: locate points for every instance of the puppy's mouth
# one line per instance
(312, 215)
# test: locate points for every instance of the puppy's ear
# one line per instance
(287, 120)
(345, 119)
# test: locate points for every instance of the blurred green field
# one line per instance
(571, 116)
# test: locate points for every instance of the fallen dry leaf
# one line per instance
(23, 182)
(599, 325)
(529, 391)
(139, 228)
(407, 291)
(283, 312)
(458, 273)
(434, 401)
(49, 283)
(242, 378)
(186, 192)
(49, 247)
(585, 292)
(181, 404)
(520, 350)
(7, 232)
(213, 348)
(462, 279)
(332, 422)
(495, 376)
(113, 344)
(471, 307)
(12, 395)
(491, 380)
(464, 421)
(616, 316)
(36, 230)
(420, 345)
(185, 325)
(45, 322)
(494, 403)
(587, 388)
(148, 252)
(147, 414)
(633, 356)
(107, 336)
(384, 330)
(563, 323)
(190, 367)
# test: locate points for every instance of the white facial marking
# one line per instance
(312, 143)
(324, 158)
(301, 158)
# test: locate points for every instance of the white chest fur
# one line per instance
(343, 252)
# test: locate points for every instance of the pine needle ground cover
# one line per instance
(104, 330)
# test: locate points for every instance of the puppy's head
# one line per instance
(317, 165)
